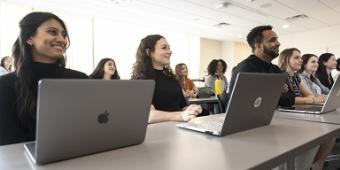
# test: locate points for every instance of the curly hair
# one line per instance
(256, 36)
(213, 66)
(98, 72)
(143, 68)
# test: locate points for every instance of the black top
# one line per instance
(168, 95)
(254, 64)
(327, 81)
(293, 83)
(12, 129)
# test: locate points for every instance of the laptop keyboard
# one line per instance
(309, 108)
(209, 122)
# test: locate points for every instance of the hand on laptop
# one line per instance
(320, 99)
(191, 112)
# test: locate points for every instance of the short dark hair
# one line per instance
(256, 36)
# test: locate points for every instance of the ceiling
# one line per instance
(202, 16)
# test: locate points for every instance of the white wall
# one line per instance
(103, 34)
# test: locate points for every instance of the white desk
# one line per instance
(169, 148)
(331, 117)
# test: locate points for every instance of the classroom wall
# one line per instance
(230, 51)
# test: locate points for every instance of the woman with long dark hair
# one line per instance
(38, 53)
(152, 62)
(106, 69)
(188, 86)
(327, 63)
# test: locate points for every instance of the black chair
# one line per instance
(205, 92)
(223, 101)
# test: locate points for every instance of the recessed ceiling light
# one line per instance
(285, 26)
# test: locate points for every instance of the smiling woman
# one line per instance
(38, 53)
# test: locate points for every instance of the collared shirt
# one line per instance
(256, 65)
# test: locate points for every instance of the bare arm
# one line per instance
(186, 114)
(308, 97)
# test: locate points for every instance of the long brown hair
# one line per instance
(178, 73)
(143, 68)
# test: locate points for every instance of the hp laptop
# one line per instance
(252, 104)
(80, 117)
(331, 104)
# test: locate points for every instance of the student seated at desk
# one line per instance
(265, 47)
(188, 86)
(327, 63)
(216, 70)
(307, 75)
(152, 62)
(38, 53)
(6, 65)
(106, 69)
(290, 61)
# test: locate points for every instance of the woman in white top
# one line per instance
(216, 70)
(307, 75)
(6, 65)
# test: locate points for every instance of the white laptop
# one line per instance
(80, 117)
(252, 104)
(332, 103)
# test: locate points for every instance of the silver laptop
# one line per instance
(80, 117)
(332, 103)
(252, 104)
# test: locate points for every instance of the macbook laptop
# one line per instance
(80, 117)
(332, 103)
(252, 104)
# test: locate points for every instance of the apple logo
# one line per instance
(103, 117)
(258, 102)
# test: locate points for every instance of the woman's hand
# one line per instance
(191, 112)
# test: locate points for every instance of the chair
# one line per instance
(205, 92)
(223, 100)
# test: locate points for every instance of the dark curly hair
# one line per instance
(143, 68)
(255, 35)
(213, 66)
(98, 72)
